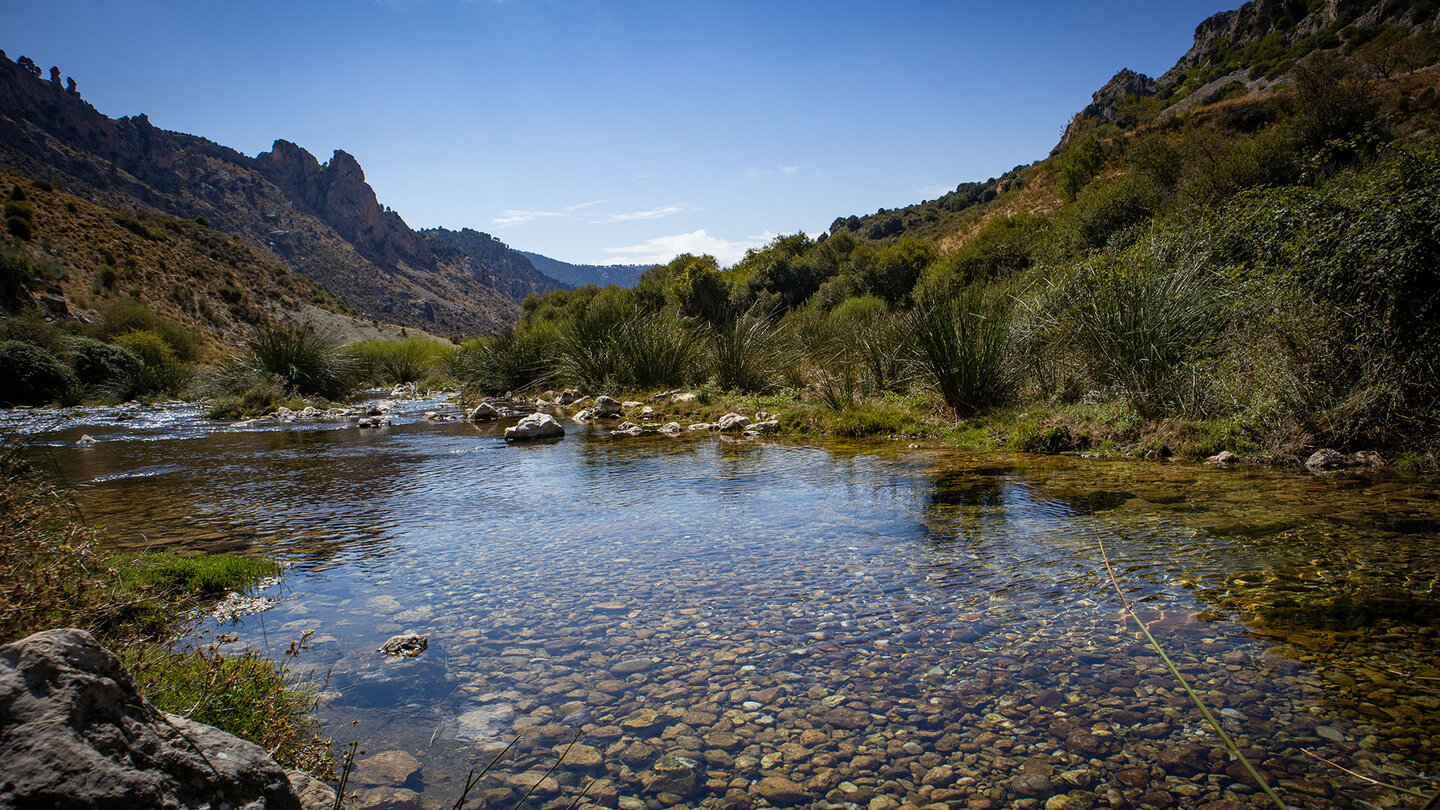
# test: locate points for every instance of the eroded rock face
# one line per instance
(75, 733)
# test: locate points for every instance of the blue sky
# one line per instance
(600, 131)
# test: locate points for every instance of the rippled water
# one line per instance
(866, 621)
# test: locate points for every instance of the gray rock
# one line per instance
(568, 397)
(1223, 459)
(606, 407)
(732, 422)
(76, 733)
(313, 794)
(533, 427)
(406, 645)
(767, 428)
(687, 397)
(484, 412)
(1326, 459)
(672, 428)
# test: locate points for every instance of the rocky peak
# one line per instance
(337, 192)
(1125, 84)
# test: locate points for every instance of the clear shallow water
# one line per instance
(708, 612)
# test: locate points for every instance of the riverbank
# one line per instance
(1102, 429)
(58, 571)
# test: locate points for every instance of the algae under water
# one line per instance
(729, 622)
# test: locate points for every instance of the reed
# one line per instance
(962, 347)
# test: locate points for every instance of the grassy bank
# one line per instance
(57, 571)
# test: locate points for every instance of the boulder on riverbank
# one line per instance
(75, 732)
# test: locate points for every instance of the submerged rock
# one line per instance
(76, 732)
(405, 645)
(533, 427)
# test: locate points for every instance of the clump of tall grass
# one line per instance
(1140, 320)
(962, 348)
(511, 361)
(632, 348)
(245, 694)
(305, 359)
(747, 353)
(387, 362)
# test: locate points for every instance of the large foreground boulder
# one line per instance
(76, 733)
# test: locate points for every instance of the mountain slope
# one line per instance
(579, 275)
(322, 220)
(1253, 50)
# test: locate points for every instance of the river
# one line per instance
(737, 622)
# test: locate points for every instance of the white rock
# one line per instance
(535, 426)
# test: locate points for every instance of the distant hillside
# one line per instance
(88, 258)
(579, 275)
(320, 219)
(1253, 50)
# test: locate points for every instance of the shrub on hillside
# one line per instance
(97, 363)
(29, 375)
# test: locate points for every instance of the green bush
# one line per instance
(512, 361)
(148, 346)
(132, 316)
(29, 375)
(20, 228)
(31, 328)
(97, 363)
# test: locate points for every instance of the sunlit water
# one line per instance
(866, 621)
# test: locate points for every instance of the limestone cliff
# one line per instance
(322, 220)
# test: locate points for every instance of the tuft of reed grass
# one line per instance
(388, 362)
(305, 359)
(747, 354)
(1138, 322)
(962, 347)
(630, 349)
(511, 361)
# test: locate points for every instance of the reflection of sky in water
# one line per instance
(814, 563)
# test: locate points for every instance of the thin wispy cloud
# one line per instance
(635, 216)
(582, 212)
(662, 249)
(783, 168)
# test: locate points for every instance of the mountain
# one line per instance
(1252, 51)
(579, 275)
(320, 219)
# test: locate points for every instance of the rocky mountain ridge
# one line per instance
(322, 220)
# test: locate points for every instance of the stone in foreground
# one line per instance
(76, 733)
(534, 427)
